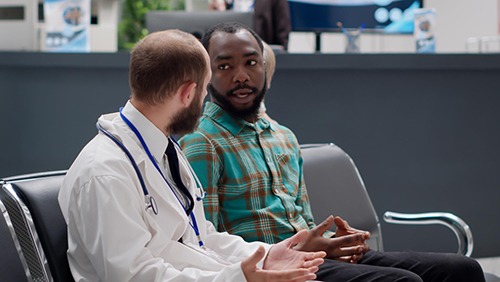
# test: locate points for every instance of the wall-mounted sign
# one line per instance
(67, 26)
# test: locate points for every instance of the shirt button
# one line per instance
(290, 215)
(276, 191)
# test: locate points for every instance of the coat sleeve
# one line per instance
(231, 247)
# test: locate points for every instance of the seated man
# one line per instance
(134, 212)
(252, 170)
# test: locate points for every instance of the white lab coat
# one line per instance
(111, 235)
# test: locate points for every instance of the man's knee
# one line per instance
(340, 271)
(400, 275)
(463, 268)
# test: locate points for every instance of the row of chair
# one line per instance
(333, 180)
(37, 229)
(34, 239)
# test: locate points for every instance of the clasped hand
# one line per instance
(348, 244)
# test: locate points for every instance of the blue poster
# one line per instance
(67, 26)
(424, 30)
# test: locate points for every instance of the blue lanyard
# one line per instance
(193, 222)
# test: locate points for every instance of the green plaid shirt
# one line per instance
(252, 174)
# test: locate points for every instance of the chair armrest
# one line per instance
(456, 224)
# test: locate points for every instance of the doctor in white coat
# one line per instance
(128, 219)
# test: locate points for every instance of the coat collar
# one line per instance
(155, 139)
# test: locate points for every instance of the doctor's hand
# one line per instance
(283, 263)
(348, 247)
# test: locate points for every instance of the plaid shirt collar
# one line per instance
(232, 124)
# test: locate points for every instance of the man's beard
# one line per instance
(249, 113)
(187, 120)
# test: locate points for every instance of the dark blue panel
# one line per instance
(309, 16)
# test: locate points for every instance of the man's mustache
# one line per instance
(242, 86)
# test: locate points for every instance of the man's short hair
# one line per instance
(162, 61)
(229, 27)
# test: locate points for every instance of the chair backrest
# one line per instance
(335, 187)
(36, 198)
(13, 266)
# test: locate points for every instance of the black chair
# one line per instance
(332, 177)
(33, 199)
(13, 266)
(31, 203)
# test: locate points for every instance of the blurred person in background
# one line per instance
(270, 64)
(271, 18)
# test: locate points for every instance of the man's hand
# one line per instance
(283, 263)
(343, 228)
(348, 246)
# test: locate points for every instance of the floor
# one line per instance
(490, 265)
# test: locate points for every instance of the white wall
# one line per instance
(456, 21)
(104, 35)
(197, 5)
(19, 34)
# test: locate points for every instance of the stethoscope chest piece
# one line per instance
(151, 204)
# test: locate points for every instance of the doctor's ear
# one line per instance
(187, 93)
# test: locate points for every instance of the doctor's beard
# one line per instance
(187, 120)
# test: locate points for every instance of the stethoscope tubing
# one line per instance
(152, 158)
(149, 200)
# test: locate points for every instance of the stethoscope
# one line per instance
(149, 199)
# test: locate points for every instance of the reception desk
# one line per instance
(424, 130)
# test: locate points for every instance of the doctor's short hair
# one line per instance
(162, 62)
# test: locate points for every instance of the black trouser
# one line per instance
(403, 266)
